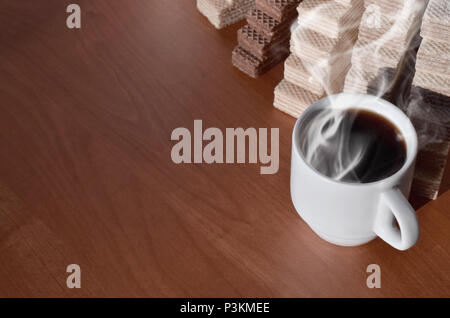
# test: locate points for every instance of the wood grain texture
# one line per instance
(86, 175)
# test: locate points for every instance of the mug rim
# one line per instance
(411, 139)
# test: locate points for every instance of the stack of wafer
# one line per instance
(429, 107)
(321, 47)
(382, 55)
(222, 13)
(264, 41)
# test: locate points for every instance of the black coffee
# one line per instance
(355, 146)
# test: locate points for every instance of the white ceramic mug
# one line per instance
(351, 214)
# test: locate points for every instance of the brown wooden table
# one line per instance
(86, 175)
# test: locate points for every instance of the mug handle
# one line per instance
(394, 205)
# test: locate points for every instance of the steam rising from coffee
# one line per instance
(328, 134)
(326, 145)
(352, 145)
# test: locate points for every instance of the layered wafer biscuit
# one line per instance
(319, 79)
(222, 13)
(255, 43)
(383, 84)
(434, 57)
(430, 165)
(421, 186)
(268, 26)
(321, 46)
(372, 57)
(349, 3)
(432, 137)
(253, 66)
(387, 45)
(393, 8)
(436, 21)
(264, 41)
(429, 105)
(296, 73)
(430, 113)
(357, 81)
(311, 45)
(293, 99)
(278, 9)
(330, 17)
(429, 174)
(380, 83)
(392, 5)
(430, 170)
(428, 99)
(435, 82)
(394, 33)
